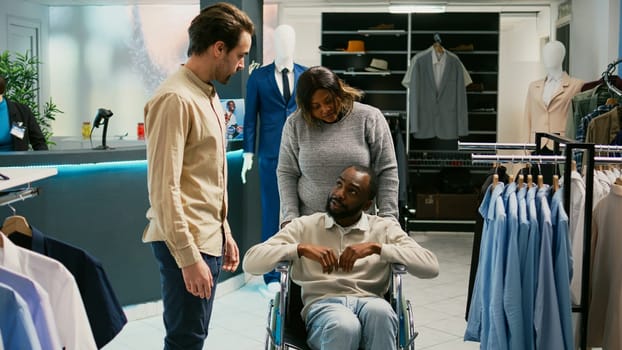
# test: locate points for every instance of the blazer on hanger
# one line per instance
(265, 101)
(438, 113)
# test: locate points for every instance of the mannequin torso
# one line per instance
(549, 99)
(284, 45)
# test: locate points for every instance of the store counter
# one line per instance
(98, 200)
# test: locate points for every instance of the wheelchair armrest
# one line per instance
(398, 268)
(283, 266)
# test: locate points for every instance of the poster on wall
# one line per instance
(234, 116)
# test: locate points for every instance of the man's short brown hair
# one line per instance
(219, 22)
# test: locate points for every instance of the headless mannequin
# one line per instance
(550, 99)
(553, 55)
(284, 44)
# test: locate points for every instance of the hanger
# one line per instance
(540, 181)
(495, 180)
(16, 223)
(555, 183)
(437, 44)
(521, 179)
(529, 181)
(495, 176)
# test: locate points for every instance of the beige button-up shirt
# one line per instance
(187, 168)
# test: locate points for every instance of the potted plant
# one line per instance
(21, 72)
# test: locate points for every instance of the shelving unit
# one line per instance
(396, 38)
(382, 89)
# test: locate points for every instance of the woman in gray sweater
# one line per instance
(329, 131)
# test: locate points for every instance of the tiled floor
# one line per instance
(239, 317)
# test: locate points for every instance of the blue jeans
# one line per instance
(350, 323)
(186, 317)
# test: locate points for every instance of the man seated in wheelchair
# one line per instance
(341, 260)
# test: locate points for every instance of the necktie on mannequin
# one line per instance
(286, 93)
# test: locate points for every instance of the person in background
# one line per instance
(231, 120)
(18, 127)
(341, 260)
(329, 129)
(187, 174)
(230, 117)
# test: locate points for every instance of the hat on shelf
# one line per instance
(463, 47)
(355, 46)
(377, 65)
(383, 26)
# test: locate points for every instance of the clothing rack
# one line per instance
(492, 146)
(570, 146)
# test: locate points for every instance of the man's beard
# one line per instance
(347, 212)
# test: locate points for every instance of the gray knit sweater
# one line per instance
(312, 157)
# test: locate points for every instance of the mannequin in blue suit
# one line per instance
(265, 103)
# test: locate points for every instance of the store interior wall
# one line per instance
(112, 57)
(82, 70)
(594, 35)
(27, 12)
(93, 58)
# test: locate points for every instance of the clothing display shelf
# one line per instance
(394, 38)
(14, 180)
(590, 160)
(369, 51)
(24, 176)
(474, 38)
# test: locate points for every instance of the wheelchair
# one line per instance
(286, 329)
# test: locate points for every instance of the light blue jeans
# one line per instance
(350, 323)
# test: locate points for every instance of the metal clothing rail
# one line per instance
(491, 146)
(492, 158)
(569, 146)
(543, 159)
(19, 195)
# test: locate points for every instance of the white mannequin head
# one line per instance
(553, 55)
(284, 44)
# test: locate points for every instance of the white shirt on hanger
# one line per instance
(72, 322)
(438, 66)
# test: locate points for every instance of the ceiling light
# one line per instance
(416, 8)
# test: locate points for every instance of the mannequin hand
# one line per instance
(247, 165)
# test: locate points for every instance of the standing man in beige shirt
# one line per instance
(187, 174)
